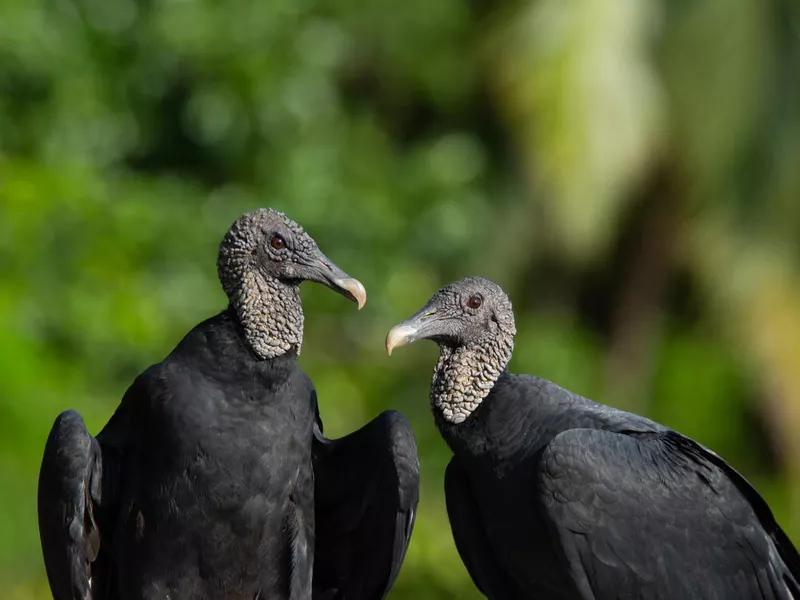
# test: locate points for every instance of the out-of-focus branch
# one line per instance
(635, 320)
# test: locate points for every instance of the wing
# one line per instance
(366, 495)
(69, 488)
(470, 538)
(659, 516)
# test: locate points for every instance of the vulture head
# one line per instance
(262, 261)
(473, 323)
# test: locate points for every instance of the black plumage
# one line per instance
(367, 491)
(202, 484)
(551, 495)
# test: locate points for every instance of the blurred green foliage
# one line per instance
(627, 170)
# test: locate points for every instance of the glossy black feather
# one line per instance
(69, 483)
(471, 540)
(551, 495)
(214, 494)
(367, 491)
(208, 485)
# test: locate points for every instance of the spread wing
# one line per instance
(69, 489)
(659, 516)
(366, 495)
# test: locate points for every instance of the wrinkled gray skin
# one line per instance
(262, 281)
(475, 344)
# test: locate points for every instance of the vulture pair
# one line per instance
(212, 480)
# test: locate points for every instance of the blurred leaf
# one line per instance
(576, 83)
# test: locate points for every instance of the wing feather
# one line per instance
(69, 487)
(656, 515)
(366, 496)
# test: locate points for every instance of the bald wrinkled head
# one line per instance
(262, 260)
(269, 242)
(468, 311)
(473, 323)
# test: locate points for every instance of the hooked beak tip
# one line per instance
(400, 335)
(354, 289)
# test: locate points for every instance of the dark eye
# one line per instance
(277, 242)
(475, 301)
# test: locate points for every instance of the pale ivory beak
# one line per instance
(399, 335)
(354, 289)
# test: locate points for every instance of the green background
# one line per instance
(629, 171)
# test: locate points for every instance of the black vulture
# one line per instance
(551, 495)
(202, 485)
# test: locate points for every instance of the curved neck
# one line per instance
(270, 313)
(465, 375)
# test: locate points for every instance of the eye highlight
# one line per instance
(474, 301)
(277, 242)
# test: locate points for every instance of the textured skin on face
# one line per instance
(481, 346)
(258, 279)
